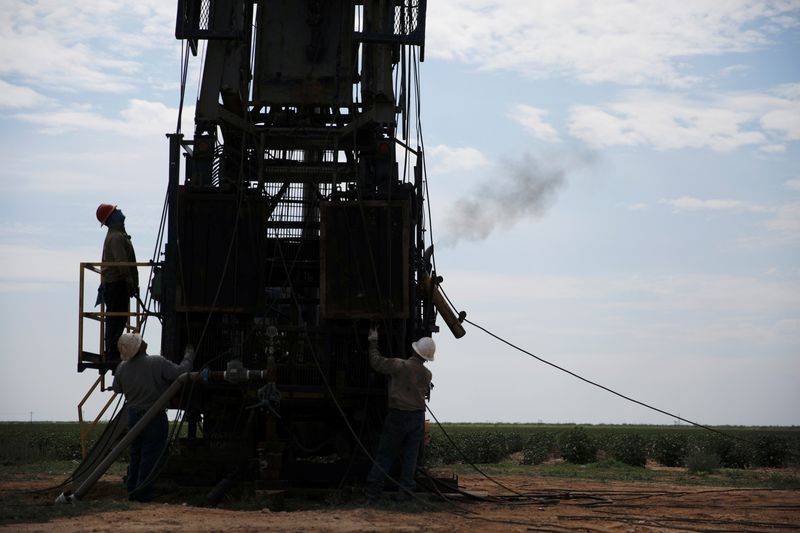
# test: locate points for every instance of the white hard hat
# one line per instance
(425, 348)
(128, 345)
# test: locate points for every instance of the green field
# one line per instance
(730, 446)
(49, 452)
(25, 442)
(739, 447)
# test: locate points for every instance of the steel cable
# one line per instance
(607, 389)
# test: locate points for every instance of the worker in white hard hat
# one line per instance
(404, 427)
(118, 284)
(143, 378)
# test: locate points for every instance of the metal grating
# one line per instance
(296, 213)
(204, 22)
(296, 208)
(406, 17)
(196, 20)
(408, 27)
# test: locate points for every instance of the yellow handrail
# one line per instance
(137, 315)
(85, 433)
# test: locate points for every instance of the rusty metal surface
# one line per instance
(304, 53)
(365, 260)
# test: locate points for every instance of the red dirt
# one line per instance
(583, 505)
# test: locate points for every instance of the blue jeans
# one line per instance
(147, 451)
(401, 436)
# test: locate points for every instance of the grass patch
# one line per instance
(737, 478)
(24, 442)
(702, 462)
(605, 470)
(60, 469)
(610, 470)
(782, 481)
(37, 470)
(633, 444)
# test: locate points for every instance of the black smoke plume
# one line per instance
(522, 189)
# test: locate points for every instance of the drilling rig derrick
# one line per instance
(295, 222)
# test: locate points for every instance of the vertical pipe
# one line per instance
(80, 321)
(169, 335)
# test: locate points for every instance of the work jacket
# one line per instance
(409, 380)
(117, 248)
(144, 378)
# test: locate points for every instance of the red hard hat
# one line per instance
(104, 211)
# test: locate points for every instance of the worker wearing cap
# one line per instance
(143, 379)
(404, 427)
(118, 283)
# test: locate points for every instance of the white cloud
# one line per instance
(785, 120)
(638, 207)
(669, 122)
(137, 175)
(14, 96)
(139, 119)
(81, 46)
(443, 159)
(786, 220)
(783, 221)
(733, 70)
(664, 125)
(790, 91)
(630, 43)
(124, 157)
(532, 118)
(23, 287)
(687, 203)
(793, 184)
(26, 266)
(724, 293)
(788, 328)
(19, 231)
(777, 110)
(773, 148)
(58, 181)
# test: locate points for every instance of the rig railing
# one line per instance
(135, 318)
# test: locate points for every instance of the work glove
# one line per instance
(101, 295)
(373, 335)
(133, 290)
(189, 353)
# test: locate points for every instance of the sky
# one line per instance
(614, 186)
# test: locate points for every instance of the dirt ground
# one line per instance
(548, 504)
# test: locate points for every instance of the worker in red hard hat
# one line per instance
(118, 284)
(404, 427)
